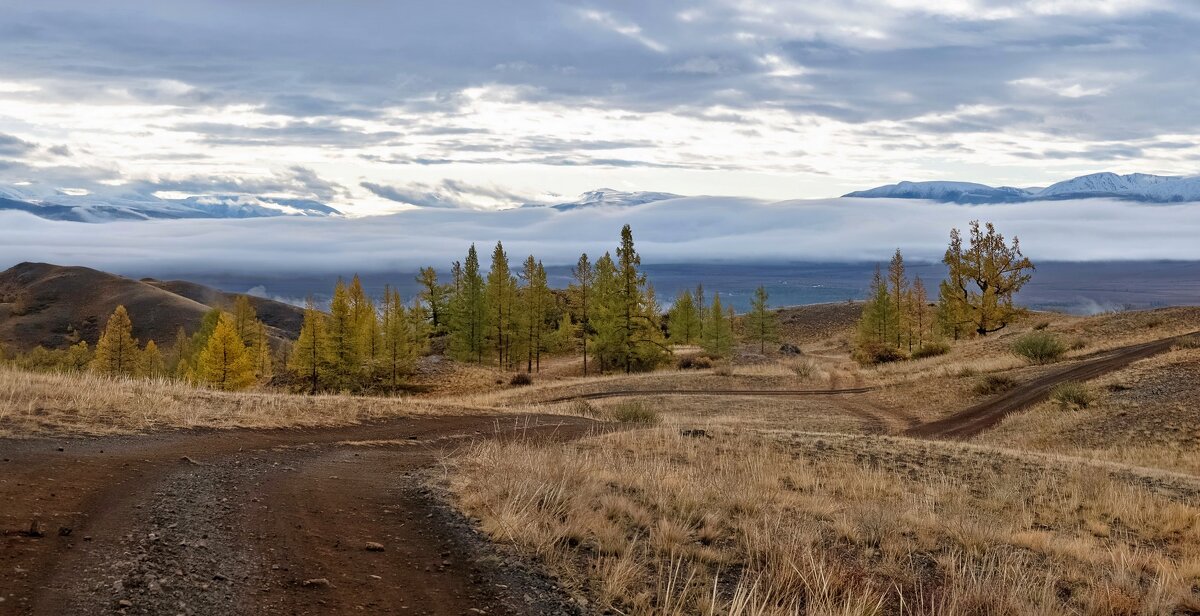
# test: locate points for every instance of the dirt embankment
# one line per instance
(264, 522)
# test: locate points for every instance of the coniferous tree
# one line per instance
(718, 331)
(433, 295)
(152, 363)
(501, 299)
(178, 362)
(639, 334)
(876, 327)
(77, 358)
(701, 310)
(684, 320)
(580, 294)
(400, 344)
(224, 363)
(468, 311)
(260, 352)
(311, 359)
(117, 351)
(244, 318)
(951, 316)
(761, 326)
(344, 339)
(984, 277)
(208, 324)
(919, 315)
(898, 289)
(606, 334)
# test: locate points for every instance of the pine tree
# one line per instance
(580, 302)
(639, 335)
(400, 344)
(244, 318)
(718, 331)
(501, 297)
(224, 363)
(684, 320)
(984, 278)
(311, 357)
(606, 335)
(434, 297)
(534, 304)
(152, 363)
(117, 351)
(898, 290)
(344, 339)
(468, 311)
(761, 326)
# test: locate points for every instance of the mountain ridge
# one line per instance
(1141, 187)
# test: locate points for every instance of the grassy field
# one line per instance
(743, 505)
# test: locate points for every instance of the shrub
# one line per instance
(1078, 344)
(1187, 342)
(803, 369)
(1039, 348)
(931, 349)
(993, 384)
(1041, 325)
(1072, 395)
(521, 379)
(634, 411)
(695, 362)
(723, 369)
(875, 353)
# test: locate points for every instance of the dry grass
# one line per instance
(32, 403)
(652, 522)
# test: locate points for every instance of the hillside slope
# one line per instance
(54, 305)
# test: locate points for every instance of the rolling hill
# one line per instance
(54, 305)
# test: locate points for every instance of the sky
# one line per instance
(376, 107)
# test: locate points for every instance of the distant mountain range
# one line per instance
(609, 197)
(89, 208)
(1131, 187)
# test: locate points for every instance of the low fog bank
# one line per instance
(688, 230)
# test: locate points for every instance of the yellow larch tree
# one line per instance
(117, 351)
(224, 363)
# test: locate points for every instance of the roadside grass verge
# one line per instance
(83, 403)
(652, 522)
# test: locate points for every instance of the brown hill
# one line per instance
(54, 305)
(284, 317)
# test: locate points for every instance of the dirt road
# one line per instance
(971, 421)
(257, 522)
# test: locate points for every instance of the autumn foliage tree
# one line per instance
(224, 363)
(117, 351)
(983, 279)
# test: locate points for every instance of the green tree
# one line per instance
(583, 279)
(311, 359)
(984, 277)
(684, 320)
(400, 338)
(468, 311)
(876, 326)
(533, 306)
(898, 289)
(501, 299)
(77, 358)
(433, 295)
(224, 363)
(117, 351)
(640, 337)
(344, 339)
(718, 331)
(761, 325)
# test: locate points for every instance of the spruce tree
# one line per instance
(468, 311)
(684, 320)
(640, 338)
(433, 295)
(311, 357)
(761, 326)
(117, 351)
(501, 298)
(224, 363)
(718, 333)
(580, 302)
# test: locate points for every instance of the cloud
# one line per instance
(696, 230)
(12, 146)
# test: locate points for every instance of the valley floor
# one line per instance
(786, 485)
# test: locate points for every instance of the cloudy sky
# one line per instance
(376, 106)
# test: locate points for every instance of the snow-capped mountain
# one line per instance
(610, 197)
(94, 208)
(1133, 187)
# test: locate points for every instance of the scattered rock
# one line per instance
(374, 547)
(316, 583)
(35, 530)
(125, 603)
(695, 433)
(788, 348)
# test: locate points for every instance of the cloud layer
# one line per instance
(764, 99)
(697, 230)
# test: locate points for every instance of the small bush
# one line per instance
(1072, 395)
(1039, 348)
(875, 353)
(521, 379)
(993, 384)
(634, 412)
(803, 369)
(1078, 344)
(1041, 325)
(695, 362)
(931, 349)
(965, 372)
(723, 369)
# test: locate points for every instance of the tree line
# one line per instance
(975, 299)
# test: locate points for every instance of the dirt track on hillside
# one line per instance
(974, 420)
(257, 522)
